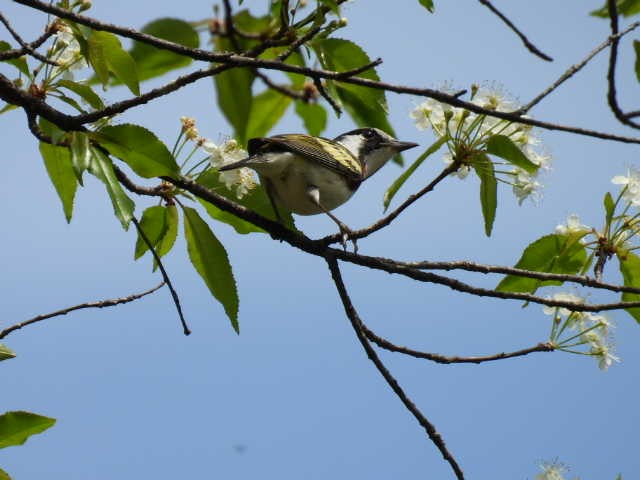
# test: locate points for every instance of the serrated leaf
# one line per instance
(153, 62)
(6, 353)
(139, 148)
(483, 167)
(626, 8)
(267, 109)
(16, 427)
(170, 234)
(97, 59)
(395, 186)
(83, 91)
(609, 207)
(102, 168)
(630, 270)
(210, 260)
(154, 225)
(367, 107)
(552, 254)
(428, 4)
(57, 161)
(80, 154)
(256, 200)
(20, 63)
(233, 92)
(503, 147)
(314, 117)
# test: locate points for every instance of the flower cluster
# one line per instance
(467, 134)
(240, 180)
(65, 51)
(572, 330)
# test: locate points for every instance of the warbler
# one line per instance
(309, 175)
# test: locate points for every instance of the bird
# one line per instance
(310, 175)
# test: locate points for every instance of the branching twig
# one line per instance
(19, 52)
(330, 100)
(174, 294)
(530, 46)
(25, 46)
(233, 60)
(64, 311)
(356, 323)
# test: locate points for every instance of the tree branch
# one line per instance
(530, 46)
(356, 323)
(27, 48)
(64, 311)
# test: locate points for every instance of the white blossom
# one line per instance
(631, 184)
(240, 180)
(573, 225)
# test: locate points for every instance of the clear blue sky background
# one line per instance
(134, 398)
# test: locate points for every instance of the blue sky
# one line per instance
(294, 396)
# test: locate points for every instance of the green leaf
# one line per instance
(57, 161)
(256, 200)
(367, 106)
(395, 186)
(630, 269)
(154, 225)
(503, 147)
(6, 353)
(80, 153)
(296, 58)
(483, 167)
(83, 91)
(139, 148)
(552, 254)
(626, 8)
(609, 207)
(153, 62)
(109, 56)
(17, 427)
(428, 4)
(97, 58)
(233, 91)
(7, 108)
(210, 260)
(4, 475)
(70, 101)
(20, 63)
(51, 130)
(267, 109)
(314, 117)
(170, 233)
(102, 168)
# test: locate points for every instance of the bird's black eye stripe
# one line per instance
(369, 133)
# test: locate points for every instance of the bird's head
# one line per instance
(372, 147)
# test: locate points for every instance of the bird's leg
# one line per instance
(314, 195)
(268, 186)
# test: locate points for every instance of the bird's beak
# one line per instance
(399, 146)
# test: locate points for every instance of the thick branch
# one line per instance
(356, 323)
(64, 311)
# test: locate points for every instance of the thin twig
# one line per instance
(448, 360)
(64, 311)
(25, 46)
(299, 42)
(386, 220)
(19, 52)
(611, 72)
(530, 46)
(330, 100)
(577, 67)
(174, 294)
(356, 323)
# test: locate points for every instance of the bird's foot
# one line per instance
(347, 234)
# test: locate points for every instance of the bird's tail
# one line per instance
(232, 166)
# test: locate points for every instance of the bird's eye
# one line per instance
(369, 133)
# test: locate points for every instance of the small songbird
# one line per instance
(308, 175)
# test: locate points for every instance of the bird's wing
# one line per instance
(327, 153)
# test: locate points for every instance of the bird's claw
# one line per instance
(346, 234)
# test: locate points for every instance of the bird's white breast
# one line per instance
(292, 175)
